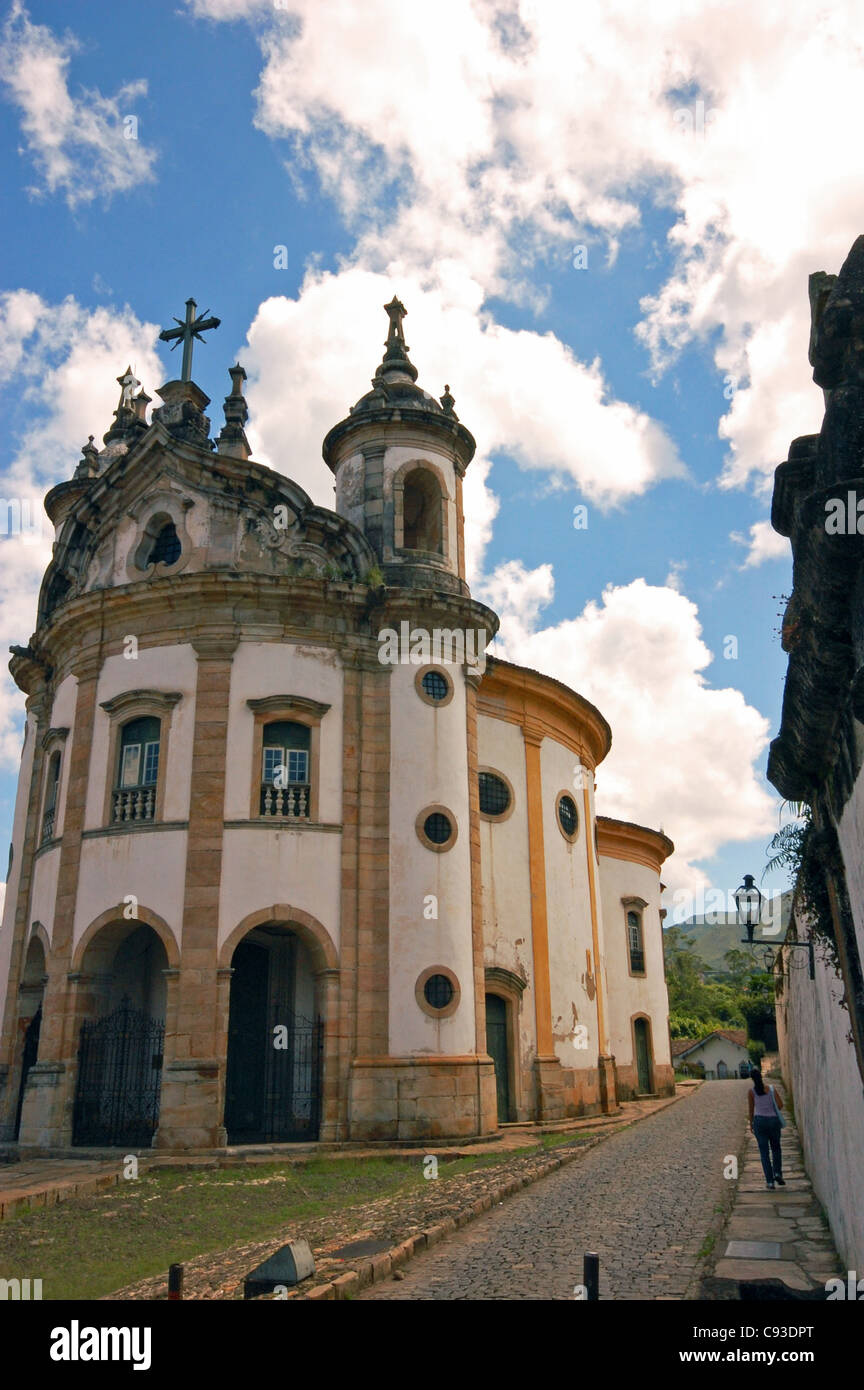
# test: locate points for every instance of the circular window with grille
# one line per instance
(496, 794)
(437, 991)
(568, 816)
(434, 686)
(436, 828)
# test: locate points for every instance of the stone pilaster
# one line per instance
(11, 1038)
(193, 1076)
(46, 1118)
(487, 1099)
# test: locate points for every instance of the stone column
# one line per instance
(193, 1075)
(11, 1038)
(364, 946)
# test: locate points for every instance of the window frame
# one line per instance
(122, 710)
(423, 1002)
(420, 824)
(53, 742)
(293, 709)
(637, 906)
(568, 838)
(440, 671)
(497, 817)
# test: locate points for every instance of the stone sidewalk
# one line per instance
(776, 1244)
(38, 1181)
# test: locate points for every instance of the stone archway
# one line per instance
(274, 1074)
(31, 993)
(122, 988)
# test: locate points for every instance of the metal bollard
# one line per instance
(175, 1283)
(591, 1277)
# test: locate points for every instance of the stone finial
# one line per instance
(232, 438)
(139, 405)
(395, 364)
(124, 415)
(447, 404)
(89, 465)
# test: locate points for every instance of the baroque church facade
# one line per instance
(269, 882)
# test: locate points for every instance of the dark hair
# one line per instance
(758, 1083)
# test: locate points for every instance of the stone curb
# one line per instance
(51, 1196)
(380, 1267)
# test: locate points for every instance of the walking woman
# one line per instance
(766, 1123)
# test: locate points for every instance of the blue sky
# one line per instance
(457, 155)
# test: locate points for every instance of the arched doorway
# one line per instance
(120, 1050)
(722, 1070)
(498, 1047)
(30, 1016)
(275, 1039)
(642, 1049)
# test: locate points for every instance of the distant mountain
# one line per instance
(718, 932)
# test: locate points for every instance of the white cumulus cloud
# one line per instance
(83, 146)
(683, 753)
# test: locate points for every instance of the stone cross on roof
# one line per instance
(188, 329)
(397, 311)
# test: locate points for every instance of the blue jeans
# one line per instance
(767, 1131)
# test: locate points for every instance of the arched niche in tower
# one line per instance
(419, 496)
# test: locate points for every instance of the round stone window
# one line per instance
(436, 828)
(437, 992)
(496, 796)
(568, 816)
(434, 686)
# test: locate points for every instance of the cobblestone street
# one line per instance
(644, 1200)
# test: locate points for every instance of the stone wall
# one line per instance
(820, 1067)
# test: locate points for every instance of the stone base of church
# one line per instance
(190, 1107)
(565, 1092)
(628, 1082)
(417, 1098)
(46, 1115)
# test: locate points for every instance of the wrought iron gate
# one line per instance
(273, 1091)
(119, 1079)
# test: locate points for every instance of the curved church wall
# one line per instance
(627, 884)
(428, 768)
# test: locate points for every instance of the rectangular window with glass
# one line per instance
(285, 770)
(634, 940)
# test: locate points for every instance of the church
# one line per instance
(275, 877)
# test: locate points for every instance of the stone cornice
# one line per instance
(544, 708)
(54, 736)
(163, 700)
(636, 844)
(405, 425)
(271, 703)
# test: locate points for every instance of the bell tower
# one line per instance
(399, 458)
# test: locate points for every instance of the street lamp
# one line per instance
(748, 905)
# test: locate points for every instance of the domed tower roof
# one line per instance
(395, 396)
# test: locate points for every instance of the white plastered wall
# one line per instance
(507, 940)
(428, 766)
(630, 994)
(572, 967)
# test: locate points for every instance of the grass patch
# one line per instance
(554, 1141)
(707, 1245)
(89, 1246)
